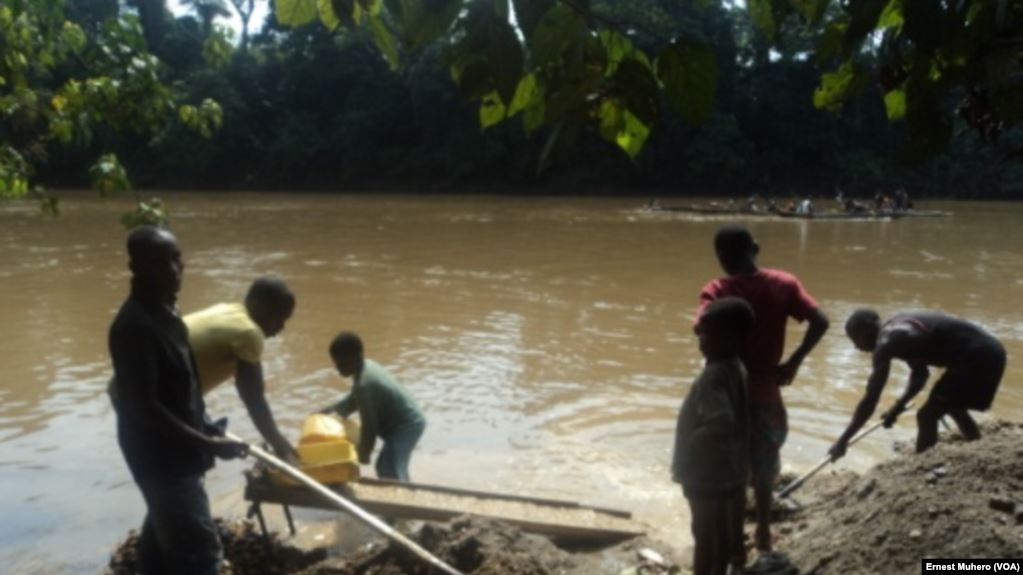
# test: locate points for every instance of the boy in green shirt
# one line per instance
(385, 408)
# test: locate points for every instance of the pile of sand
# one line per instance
(478, 546)
(959, 499)
(473, 545)
(247, 551)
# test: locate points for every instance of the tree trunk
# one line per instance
(154, 17)
(246, 15)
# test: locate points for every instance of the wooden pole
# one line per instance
(798, 482)
(345, 505)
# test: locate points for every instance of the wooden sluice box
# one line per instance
(566, 522)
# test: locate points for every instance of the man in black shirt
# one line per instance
(167, 441)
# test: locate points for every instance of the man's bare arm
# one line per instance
(252, 389)
(818, 326)
(917, 380)
(867, 405)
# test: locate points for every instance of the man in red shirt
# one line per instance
(775, 296)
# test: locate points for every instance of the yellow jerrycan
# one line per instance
(325, 452)
(318, 428)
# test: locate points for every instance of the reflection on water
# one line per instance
(548, 340)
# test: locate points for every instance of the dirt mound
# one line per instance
(959, 499)
(477, 546)
(247, 551)
(473, 545)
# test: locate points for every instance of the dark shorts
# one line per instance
(769, 426)
(971, 382)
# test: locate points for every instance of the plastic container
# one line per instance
(352, 430)
(325, 452)
(319, 427)
(329, 462)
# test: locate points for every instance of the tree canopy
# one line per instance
(687, 96)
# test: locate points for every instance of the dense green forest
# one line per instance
(337, 107)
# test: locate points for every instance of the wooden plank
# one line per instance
(264, 492)
(495, 496)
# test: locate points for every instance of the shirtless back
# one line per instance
(932, 338)
(973, 359)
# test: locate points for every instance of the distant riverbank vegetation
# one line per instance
(687, 97)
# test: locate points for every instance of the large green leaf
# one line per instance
(837, 86)
(529, 99)
(617, 48)
(526, 93)
(296, 12)
(534, 116)
(504, 53)
(611, 117)
(892, 15)
(633, 135)
(328, 16)
(689, 75)
(635, 85)
(492, 110)
(895, 104)
(385, 41)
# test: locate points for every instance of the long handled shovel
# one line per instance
(350, 507)
(798, 482)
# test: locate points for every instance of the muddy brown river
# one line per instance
(548, 340)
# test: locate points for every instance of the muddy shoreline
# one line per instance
(960, 499)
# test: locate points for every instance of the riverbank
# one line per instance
(960, 499)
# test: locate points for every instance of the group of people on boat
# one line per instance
(884, 203)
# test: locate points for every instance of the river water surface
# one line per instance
(548, 340)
